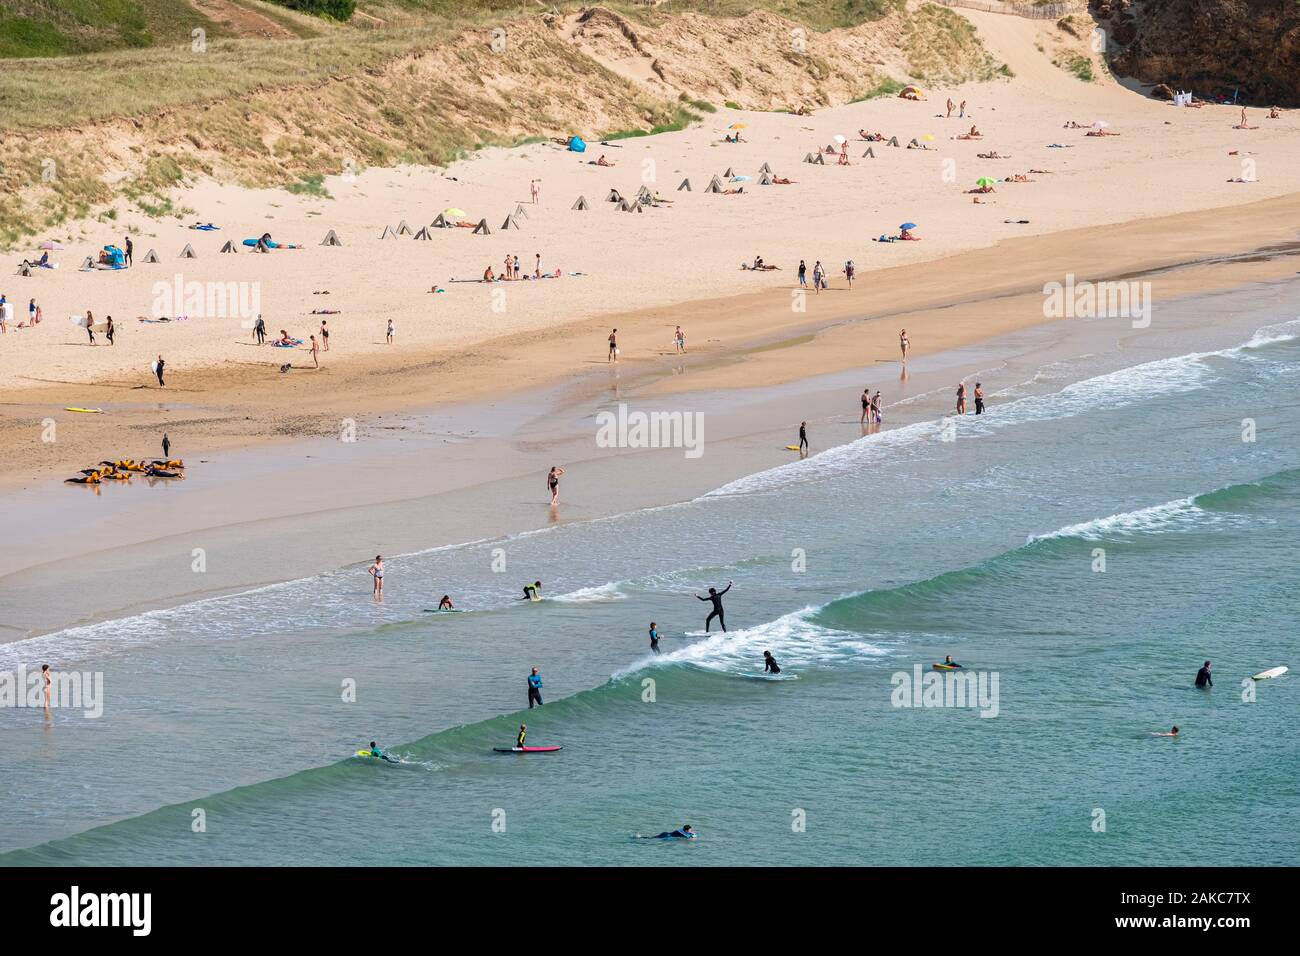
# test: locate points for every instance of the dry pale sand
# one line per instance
(1103, 206)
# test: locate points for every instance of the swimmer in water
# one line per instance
(445, 604)
(681, 833)
(950, 662)
(377, 572)
(1170, 733)
(770, 665)
(716, 597)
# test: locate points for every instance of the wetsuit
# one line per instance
(770, 665)
(519, 741)
(674, 835)
(1203, 678)
(716, 598)
(803, 438)
(654, 640)
(534, 690)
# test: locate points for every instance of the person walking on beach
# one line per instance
(803, 438)
(553, 483)
(680, 339)
(904, 343)
(537, 268)
(517, 267)
(961, 398)
(534, 689)
(962, 111)
(90, 326)
(167, 447)
(535, 187)
(803, 274)
(1203, 677)
(324, 336)
(979, 399)
(130, 251)
(613, 346)
(158, 367)
(315, 350)
(654, 638)
(388, 335)
(108, 332)
(376, 571)
(819, 277)
(876, 417)
(866, 406)
(259, 330)
(849, 271)
(715, 596)
(951, 104)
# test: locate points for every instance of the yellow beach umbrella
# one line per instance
(453, 211)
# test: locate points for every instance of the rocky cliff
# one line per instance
(1208, 46)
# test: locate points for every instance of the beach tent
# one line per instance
(439, 221)
(645, 194)
(819, 159)
(580, 204)
(388, 233)
(714, 186)
(151, 256)
(521, 211)
(808, 157)
(893, 141)
(510, 223)
(624, 206)
(729, 173)
(188, 252)
(229, 247)
(613, 196)
(765, 168)
(765, 179)
(423, 234)
(482, 228)
(576, 145)
(912, 93)
(331, 239)
(88, 265)
(686, 184)
(403, 229)
(869, 154)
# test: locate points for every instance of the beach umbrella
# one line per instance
(1099, 124)
(928, 136)
(908, 225)
(738, 126)
(50, 244)
(453, 211)
(985, 181)
(841, 138)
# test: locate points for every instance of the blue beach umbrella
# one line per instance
(908, 225)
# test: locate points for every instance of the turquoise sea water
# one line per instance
(853, 567)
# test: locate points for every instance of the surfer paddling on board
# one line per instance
(445, 604)
(770, 666)
(681, 833)
(716, 597)
(949, 662)
(1203, 676)
(379, 754)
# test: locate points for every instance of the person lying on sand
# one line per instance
(981, 190)
(760, 266)
(914, 144)
(782, 181)
(602, 161)
(285, 341)
(872, 137)
(1020, 178)
(324, 312)
(1073, 125)
(1100, 132)
(658, 199)
(733, 139)
(732, 192)
(906, 234)
(993, 155)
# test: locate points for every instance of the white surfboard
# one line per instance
(1270, 673)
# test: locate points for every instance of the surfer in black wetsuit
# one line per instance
(948, 661)
(770, 665)
(716, 597)
(1203, 676)
(681, 833)
(803, 436)
(523, 732)
(531, 591)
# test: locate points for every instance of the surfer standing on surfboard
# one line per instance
(716, 597)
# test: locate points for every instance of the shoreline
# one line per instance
(753, 337)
